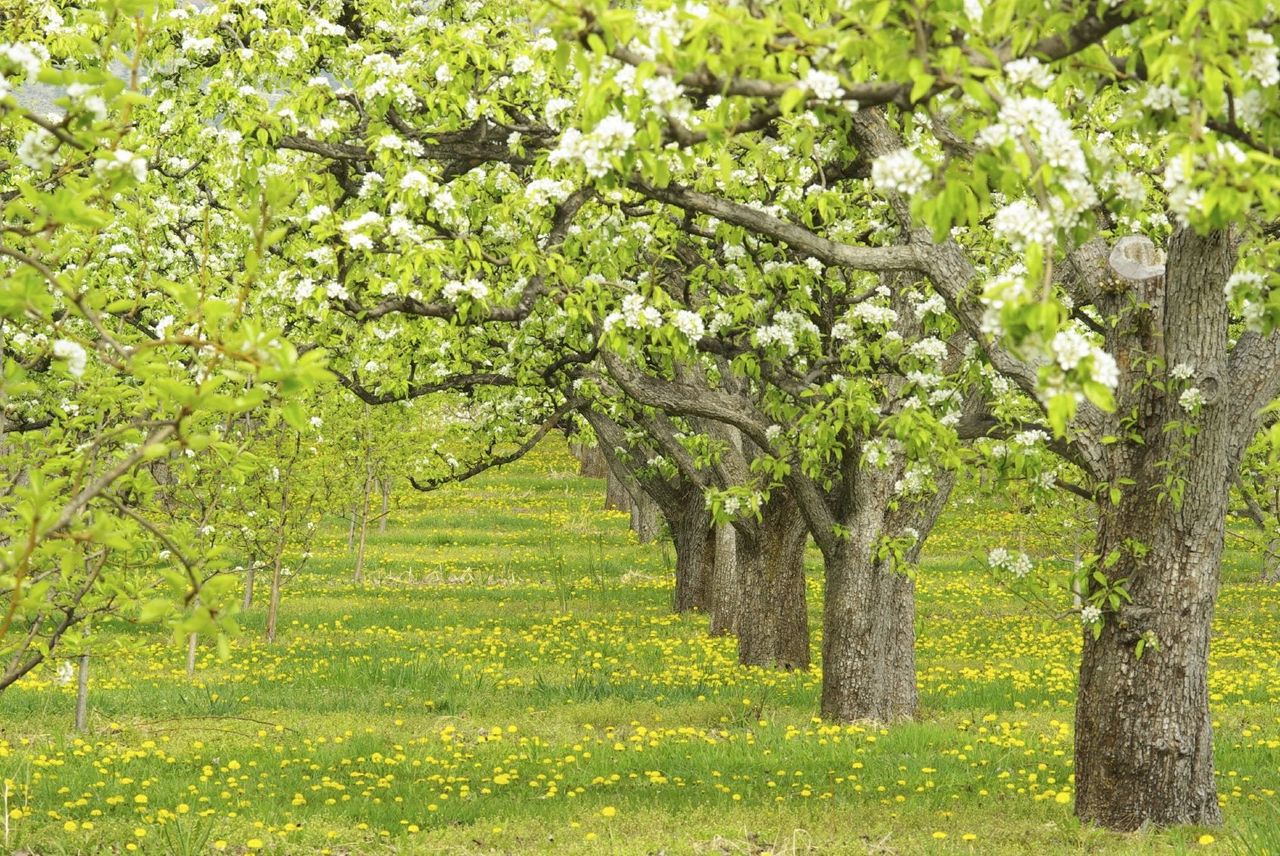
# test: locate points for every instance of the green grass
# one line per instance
(511, 669)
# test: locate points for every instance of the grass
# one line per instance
(510, 680)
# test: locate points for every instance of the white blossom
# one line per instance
(1264, 61)
(547, 191)
(473, 288)
(1105, 370)
(824, 85)
(73, 353)
(1070, 347)
(1029, 438)
(593, 151)
(870, 313)
(899, 171)
(690, 324)
(1028, 70)
(1191, 400)
(1021, 223)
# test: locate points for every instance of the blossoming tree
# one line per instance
(893, 210)
(125, 342)
(1011, 143)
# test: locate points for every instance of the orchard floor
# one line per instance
(510, 680)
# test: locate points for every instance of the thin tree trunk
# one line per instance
(364, 528)
(273, 608)
(774, 625)
(351, 530)
(248, 587)
(82, 693)
(193, 644)
(386, 503)
(725, 591)
(277, 568)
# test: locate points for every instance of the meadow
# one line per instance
(510, 679)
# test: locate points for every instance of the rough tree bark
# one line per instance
(616, 497)
(646, 517)
(695, 555)
(1144, 738)
(724, 591)
(868, 643)
(591, 462)
(773, 626)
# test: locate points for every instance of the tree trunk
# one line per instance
(1144, 737)
(773, 629)
(277, 568)
(248, 588)
(695, 547)
(386, 503)
(364, 528)
(193, 646)
(724, 594)
(82, 693)
(273, 607)
(1271, 562)
(646, 520)
(616, 497)
(1144, 740)
(351, 530)
(868, 643)
(591, 462)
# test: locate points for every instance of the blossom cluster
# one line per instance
(122, 161)
(593, 151)
(73, 353)
(472, 288)
(1019, 564)
(787, 327)
(1037, 119)
(1071, 347)
(1264, 60)
(636, 314)
(900, 171)
(20, 62)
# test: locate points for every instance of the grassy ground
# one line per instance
(512, 681)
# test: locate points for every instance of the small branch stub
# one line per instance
(1135, 260)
